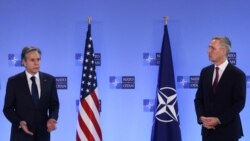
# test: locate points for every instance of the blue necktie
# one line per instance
(34, 90)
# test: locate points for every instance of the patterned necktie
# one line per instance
(216, 79)
(34, 90)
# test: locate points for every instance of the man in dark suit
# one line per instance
(221, 95)
(31, 100)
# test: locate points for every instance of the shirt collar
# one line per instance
(30, 75)
(223, 65)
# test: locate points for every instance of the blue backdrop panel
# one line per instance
(122, 30)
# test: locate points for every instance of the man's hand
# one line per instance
(25, 128)
(209, 122)
(51, 125)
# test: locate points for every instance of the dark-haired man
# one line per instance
(31, 100)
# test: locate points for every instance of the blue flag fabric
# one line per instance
(166, 118)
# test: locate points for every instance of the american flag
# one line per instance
(88, 127)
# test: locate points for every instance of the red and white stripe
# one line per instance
(88, 127)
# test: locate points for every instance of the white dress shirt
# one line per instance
(222, 68)
(37, 82)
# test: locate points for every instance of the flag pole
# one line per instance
(89, 20)
(88, 129)
(165, 20)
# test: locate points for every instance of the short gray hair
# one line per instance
(224, 41)
(28, 49)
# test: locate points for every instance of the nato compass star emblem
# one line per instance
(166, 109)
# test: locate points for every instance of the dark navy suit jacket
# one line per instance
(226, 103)
(19, 106)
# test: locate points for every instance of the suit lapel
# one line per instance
(43, 83)
(25, 83)
(224, 76)
(210, 80)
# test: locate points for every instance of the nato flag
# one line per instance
(166, 118)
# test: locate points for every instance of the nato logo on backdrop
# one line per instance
(232, 57)
(79, 59)
(61, 82)
(122, 82)
(14, 60)
(148, 105)
(151, 59)
(187, 82)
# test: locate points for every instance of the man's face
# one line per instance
(32, 62)
(216, 52)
